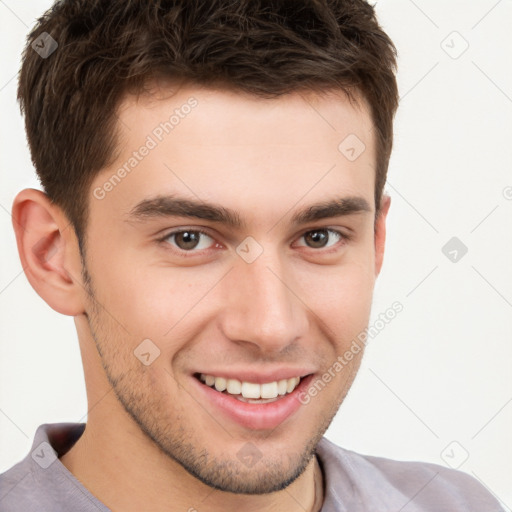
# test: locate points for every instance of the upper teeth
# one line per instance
(251, 389)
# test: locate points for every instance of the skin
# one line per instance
(298, 304)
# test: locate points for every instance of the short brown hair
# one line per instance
(109, 48)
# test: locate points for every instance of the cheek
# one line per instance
(340, 295)
(149, 300)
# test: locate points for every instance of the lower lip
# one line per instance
(255, 416)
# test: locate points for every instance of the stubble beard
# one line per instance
(132, 387)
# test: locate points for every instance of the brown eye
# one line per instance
(321, 238)
(186, 240)
(189, 239)
(316, 239)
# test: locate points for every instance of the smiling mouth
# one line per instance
(251, 392)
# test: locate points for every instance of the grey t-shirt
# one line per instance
(353, 482)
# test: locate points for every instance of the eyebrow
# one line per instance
(171, 206)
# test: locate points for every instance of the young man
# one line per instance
(214, 220)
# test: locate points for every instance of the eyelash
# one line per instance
(193, 252)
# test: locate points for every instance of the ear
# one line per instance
(380, 232)
(48, 250)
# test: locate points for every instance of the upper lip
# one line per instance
(258, 377)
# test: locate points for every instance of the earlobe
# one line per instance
(380, 233)
(48, 251)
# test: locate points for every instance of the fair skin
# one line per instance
(291, 311)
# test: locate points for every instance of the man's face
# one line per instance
(266, 297)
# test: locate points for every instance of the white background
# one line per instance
(436, 383)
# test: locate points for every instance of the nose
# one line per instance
(263, 308)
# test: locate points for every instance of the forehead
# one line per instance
(250, 153)
(235, 115)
